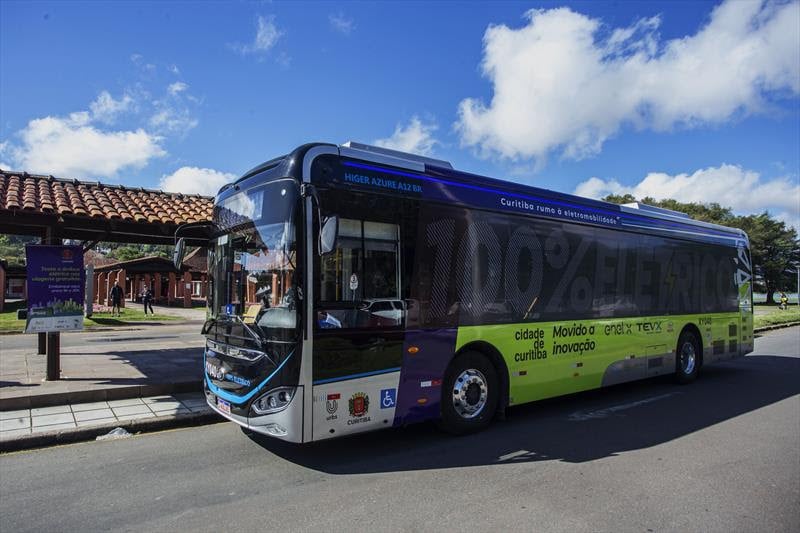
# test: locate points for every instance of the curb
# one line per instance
(145, 425)
(99, 395)
(776, 326)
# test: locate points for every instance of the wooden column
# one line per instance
(249, 293)
(2, 288)
(122, 283)
(203, 285)
(157, 290)
(102, 287)
(171, 288)
(187, 292)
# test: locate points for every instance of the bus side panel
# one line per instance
(354, 405)
(426, 355)
(550, 359)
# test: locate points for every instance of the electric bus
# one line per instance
(356, 288)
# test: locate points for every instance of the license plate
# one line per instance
(223, 406)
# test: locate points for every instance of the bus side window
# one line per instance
(360, 281)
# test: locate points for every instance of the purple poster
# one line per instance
(55, 288)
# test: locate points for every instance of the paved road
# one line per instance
(127, 336)
(720, 455)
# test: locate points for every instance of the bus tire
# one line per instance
(687, 357)
(470, 392)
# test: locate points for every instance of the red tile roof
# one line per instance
(48, 195)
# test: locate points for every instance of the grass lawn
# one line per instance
(9, 322)
(777, 316)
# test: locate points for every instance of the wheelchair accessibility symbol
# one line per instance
(388, 397)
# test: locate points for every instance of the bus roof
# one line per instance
(447, 176)
(439, 181)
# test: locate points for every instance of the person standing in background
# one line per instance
(147, 300)
(116, 295)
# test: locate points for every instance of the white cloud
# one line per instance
(177, 87)
(89, 143)
(106, 109)
(789, 218)
(565, 83)
(72, 147)
(342, 24)
(267, 35)
(174, 69)
(194, 180)
(148, 69)
(416, 137)
(728, 185)
(174, 113)
(172, 120)
(4, 152)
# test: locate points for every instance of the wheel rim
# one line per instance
(688, 358)
(470, 392)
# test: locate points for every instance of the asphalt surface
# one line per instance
(722, 454)
(124, 337)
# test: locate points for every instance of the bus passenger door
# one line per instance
(358, 331)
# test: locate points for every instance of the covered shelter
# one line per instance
(169, 285)
(12, 278)
(56, 209)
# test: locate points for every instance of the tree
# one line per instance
(126, 252)
(774, 247)
(620, 199)
(12, 248)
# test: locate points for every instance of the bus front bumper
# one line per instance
(286, 424)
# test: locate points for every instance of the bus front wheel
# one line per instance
(470, 393)
(687, 357)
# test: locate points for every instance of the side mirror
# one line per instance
(328, 235)
(179, 253)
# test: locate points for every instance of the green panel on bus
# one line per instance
(547, 359)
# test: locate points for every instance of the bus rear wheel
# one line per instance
(470, 393)
(687, 358)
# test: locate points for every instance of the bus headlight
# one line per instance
(273, 401)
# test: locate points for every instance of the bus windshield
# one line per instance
(253, 266)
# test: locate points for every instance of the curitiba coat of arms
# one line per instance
(358, 404)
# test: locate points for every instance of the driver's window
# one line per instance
(360, 280)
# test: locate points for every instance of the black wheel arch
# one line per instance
(499, 364)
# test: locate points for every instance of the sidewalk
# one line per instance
(141, 378)
(29, 428)
(102, 366)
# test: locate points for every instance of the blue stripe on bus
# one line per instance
(655, 223)
(354, 376)
(225, 395)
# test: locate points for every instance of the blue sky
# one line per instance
(692, 100)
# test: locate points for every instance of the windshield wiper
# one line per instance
(247, 328)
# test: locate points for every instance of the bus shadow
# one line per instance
(578, 428)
